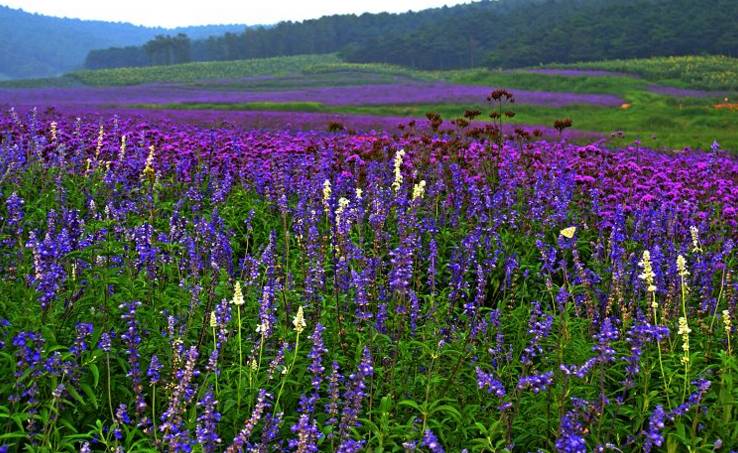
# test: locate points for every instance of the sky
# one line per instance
(175, 13)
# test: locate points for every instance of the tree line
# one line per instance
(493, 33)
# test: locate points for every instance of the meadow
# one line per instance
(665, 103)
(308, 255)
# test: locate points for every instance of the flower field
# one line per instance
(169, 286)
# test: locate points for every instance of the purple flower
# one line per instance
(132, 339)
(492, 384)
(307, 435)
(655, 426)
(207, 423)
(571, 432)
(84, 330)
(536, 382)
(243, 436)
(355, 393)
(540, 327)
(153, 372)
(431, 442)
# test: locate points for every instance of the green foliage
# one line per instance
(190, 72)
(503, 33)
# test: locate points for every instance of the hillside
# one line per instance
(495, 33)
(33, 45)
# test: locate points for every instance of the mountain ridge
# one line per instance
(37, 45)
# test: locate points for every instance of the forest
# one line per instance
(502, 33)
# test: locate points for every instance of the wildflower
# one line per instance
(492, 384)
(106, 340)
(307, 435)
(694, 232)
(682, 267)
(354, 394)
(326, 194)
(299, 321)
(539, 326)
(148, 171)
(728, 326)
(359, 193)
(122, 153)
(213, 321)
(154, 368)
(419, 190)
(207, 423)
(726, 321)
(237, 295)
(684, 331)
(262, 404)
(655, 426)
(536, 382)
(647, 275)
(342, 205)
(131, 337)
(84, 330)
(569, 232)
(571, 431)
(53, 131)
(430, 441)
(398, 170)
(100, 136)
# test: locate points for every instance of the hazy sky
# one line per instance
(172, 13)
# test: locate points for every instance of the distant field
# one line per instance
(662, 105)
(211, 70)
(702, 72)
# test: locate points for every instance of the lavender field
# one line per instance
(170, 286)
(490, 226)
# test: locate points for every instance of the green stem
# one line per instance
(215, 348)
(287, 373)
(153, 411)
(110, 398)
(240, 364)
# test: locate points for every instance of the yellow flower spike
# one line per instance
(326, 194)
(299, 321)
(342, 205)
(726, 321)
(684, 332)
(122, 153)
(237, 295)
(53, 131)
(695, 233)
(647, 275)
(419, 190)
(398, 170)
(149, 172)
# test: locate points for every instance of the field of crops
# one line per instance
(702, 72)
(429, 286)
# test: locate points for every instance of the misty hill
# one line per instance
(496, 33)
(33, 45)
